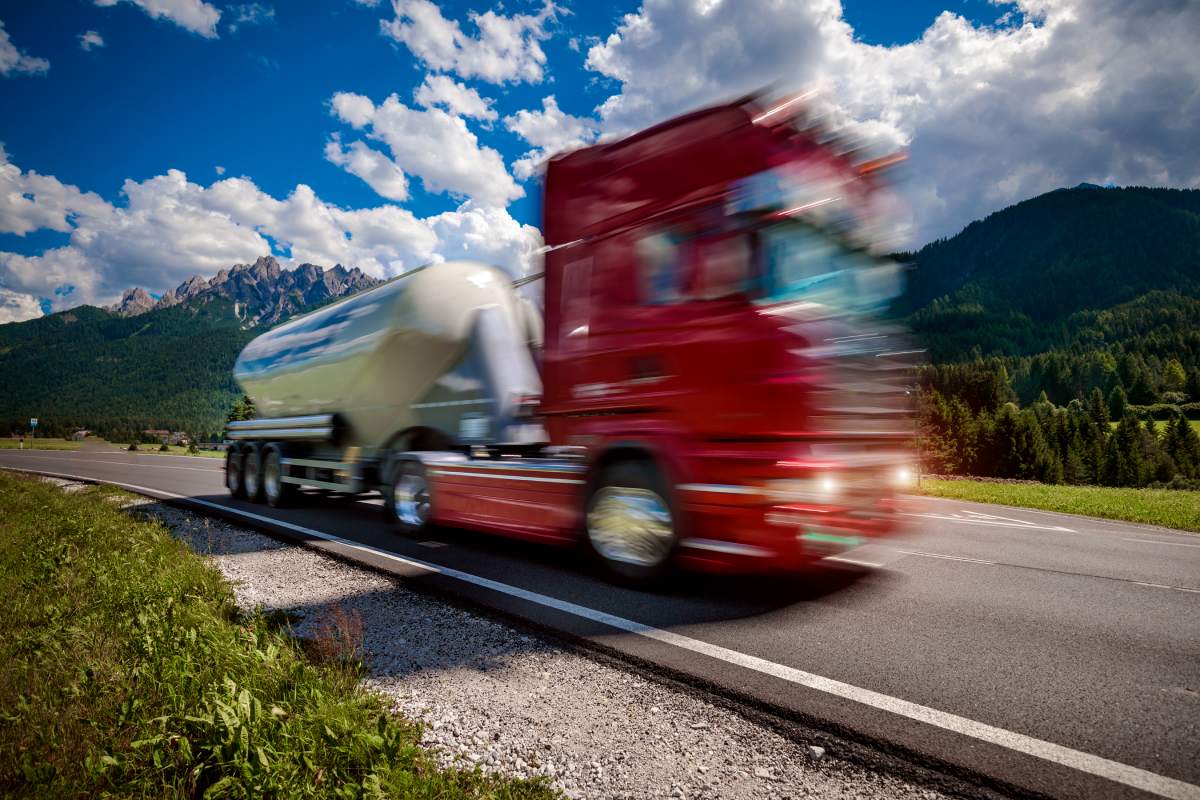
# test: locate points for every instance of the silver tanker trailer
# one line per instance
(439, 358)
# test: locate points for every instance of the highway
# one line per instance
(1035, 653)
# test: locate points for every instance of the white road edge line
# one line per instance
(133, 464)
(1099, 766)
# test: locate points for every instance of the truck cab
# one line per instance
(711, 387)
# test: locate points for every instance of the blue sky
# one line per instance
(253, 94)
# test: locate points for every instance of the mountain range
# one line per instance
(265, 291)
(1066, 292)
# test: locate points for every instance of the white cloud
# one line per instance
(550, 131)
(433, 145)
(29, 201)
(196, 16)
(379, 171)
(90, 40)
(220, 170)
(249, 14)
(505, 49)
(1073, 90)
(457, 98)
(366, 3)
(170, 228)
(17, 307)
(14, 62)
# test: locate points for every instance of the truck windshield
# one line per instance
(797, 262)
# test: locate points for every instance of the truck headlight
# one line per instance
(817, 489)
(904, 477)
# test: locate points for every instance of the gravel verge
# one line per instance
(495, 696)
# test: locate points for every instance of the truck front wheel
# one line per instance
(408, 501)
(629, 522)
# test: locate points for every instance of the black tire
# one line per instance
(252, 474)
(407, 500)
(630, 524)
(233, 472)
(277, 493)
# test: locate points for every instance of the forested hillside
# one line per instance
(154, 364)
(1048, 320)
(87, 367)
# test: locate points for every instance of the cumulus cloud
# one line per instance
(30, 202)
(196, 16)
(457, 98)
(505, 49)
(550, 131)
(170, 228)
(434, 145)
(249, 14)
(14, 62)
(90, 40)
(1066, 91)
(17, 307)
(379, 171)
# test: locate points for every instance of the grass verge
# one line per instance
(38, 444)
(1167, 507)
(125, 669)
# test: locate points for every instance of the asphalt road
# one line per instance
(1038, 652)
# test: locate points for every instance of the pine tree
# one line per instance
(1117, 401)
(1097, 408)
(1174, 378)
(1193, 384)
(1123, 462)
(1182, 444)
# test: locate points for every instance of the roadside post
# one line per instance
(32, 431)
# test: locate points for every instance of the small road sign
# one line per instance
(33, 422)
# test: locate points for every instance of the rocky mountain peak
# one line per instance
(133, 302)
(265, 290)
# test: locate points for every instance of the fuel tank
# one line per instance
(402, 354)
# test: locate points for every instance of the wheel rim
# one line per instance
(631, 526)
(232, 476)
(272, 476)
(410, 499)
(250, 475)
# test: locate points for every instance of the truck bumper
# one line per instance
(742, 533)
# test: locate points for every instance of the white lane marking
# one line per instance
(1165, 586)
(944, 556)
(432, 544)
(1002, 522)
(1099, 766)
(129, 464)
(1156, 541)
(1083, 518)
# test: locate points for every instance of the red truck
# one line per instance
(712, 387)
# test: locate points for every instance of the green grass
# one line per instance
(126, 670)
(39, 444)
(1160, 423)
(1168, 507)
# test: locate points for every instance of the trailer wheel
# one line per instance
(233, 471)
(277, 493)
(630, 525)
(252, 474)
(407, 499)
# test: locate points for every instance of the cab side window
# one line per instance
(676, 264)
